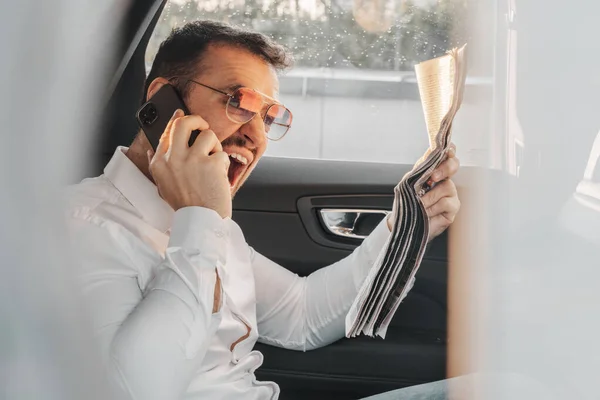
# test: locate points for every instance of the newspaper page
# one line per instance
(441, 84)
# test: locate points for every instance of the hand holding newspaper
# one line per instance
(441, 84)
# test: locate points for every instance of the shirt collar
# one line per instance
(138, 190)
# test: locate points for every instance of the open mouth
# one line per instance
(237, 167)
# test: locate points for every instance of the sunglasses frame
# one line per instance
(231, 96)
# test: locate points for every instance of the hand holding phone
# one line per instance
(194, 171)
(191, 176)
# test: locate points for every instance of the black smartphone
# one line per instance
(154, 115)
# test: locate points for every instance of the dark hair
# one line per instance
(180, 54)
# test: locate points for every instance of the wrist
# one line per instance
(203, 229)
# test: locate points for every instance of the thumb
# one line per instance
(451, 151)
(150, 154)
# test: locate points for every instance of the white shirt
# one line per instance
(148, 275)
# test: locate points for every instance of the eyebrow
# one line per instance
(233, 87)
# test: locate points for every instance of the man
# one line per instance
(177, 297)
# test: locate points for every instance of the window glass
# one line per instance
(352, 88)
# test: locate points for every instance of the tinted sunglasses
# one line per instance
(245, 103)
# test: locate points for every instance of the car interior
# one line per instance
(281, 212)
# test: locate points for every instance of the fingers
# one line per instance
(150, 155)
(451, 152)
(442, 205)
(443, 189)
(437, 225)
(441, 202)
(206, 143)
(447, 168)
(222, 157)
(165, 138)
(447, 207)
(181, 130)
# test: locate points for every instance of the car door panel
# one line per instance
(278, 182)
(278, 211)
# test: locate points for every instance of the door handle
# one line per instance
(351, 223)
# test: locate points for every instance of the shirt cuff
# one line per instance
(201, 229)
(369, 251)
(375, 242)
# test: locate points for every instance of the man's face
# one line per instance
(227, 68)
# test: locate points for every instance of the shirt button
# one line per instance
(219, 233)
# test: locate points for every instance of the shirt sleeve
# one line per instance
(152, 341)
(307, 313)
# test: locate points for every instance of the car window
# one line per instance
(352, 88)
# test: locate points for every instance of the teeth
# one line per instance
(239, 157)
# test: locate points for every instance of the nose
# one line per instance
(254, 131)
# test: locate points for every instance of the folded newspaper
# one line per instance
(441, 84)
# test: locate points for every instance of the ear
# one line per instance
(156, 84)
